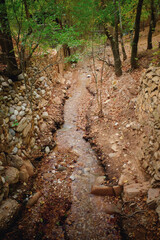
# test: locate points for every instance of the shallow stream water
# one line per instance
(87, 219)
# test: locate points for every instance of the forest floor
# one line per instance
(66, 208)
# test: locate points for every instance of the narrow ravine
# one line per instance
(88, 218)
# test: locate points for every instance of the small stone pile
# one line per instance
(20, 130)
(148, 111)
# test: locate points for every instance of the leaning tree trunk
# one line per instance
(134, 63)
(12, 67)
(152, 25)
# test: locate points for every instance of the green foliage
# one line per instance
(15, 123)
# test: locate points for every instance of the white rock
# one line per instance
(1, 79)
(47, 149)
(43, 92)
(23, 108)
(41, 79)
(15, 150)
(20, 77)
(16, 112)
(4, 84)
(21, 113)
(45, 115)
(13, 118)
(10, 81)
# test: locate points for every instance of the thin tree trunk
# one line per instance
(117, 60)
(134, 63)
(152, 25)
(121, 34)
(7, 44)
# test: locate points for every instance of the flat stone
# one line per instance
(112, 209)
(11, 175)
(22, 124)
(8, 211)
(136, 189)
(153, 195)
(26, 130)
(102, 191)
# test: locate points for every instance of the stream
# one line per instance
(87, 219)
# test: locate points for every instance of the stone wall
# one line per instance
(148, 112)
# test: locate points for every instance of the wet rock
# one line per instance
(102, 191)
(11, 175)
(8, 211)
(136, 189)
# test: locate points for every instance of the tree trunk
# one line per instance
(134, 63)
(6, 41)
(121, 34)
(117, 60)
(152, 25)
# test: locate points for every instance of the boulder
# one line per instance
(15, 161)
(29, 167)
(153, 195)
(136, 189)
(23, 174)
(8, 211)
(11, 175)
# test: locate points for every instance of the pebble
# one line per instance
(10, 81)
(21, 113)
(15, 150)
(13, 118)
(4, 84)
(15, 112)
(47, 149)
(20, 77)
(12, 132)
(45, 115)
